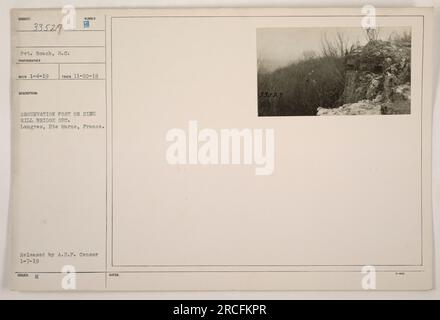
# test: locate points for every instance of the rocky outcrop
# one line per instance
(357, 108)
(377, 77)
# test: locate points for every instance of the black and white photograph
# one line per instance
(334, 71)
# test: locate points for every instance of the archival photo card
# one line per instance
(178, 150)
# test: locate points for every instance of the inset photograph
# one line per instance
(334, 71)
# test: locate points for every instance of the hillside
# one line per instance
(370, 79)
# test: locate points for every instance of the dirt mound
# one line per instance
(377, 74)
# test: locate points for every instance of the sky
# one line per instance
(278, 47)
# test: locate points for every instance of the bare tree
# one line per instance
(336, 48)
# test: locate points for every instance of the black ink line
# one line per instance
(106, 153)
(36, 47)
(60, 62)
(61, 79)
(421, 142)
(265, 16)
(59, 31)
(262, 265)
(111, 130)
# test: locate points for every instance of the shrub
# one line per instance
(302, 87)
